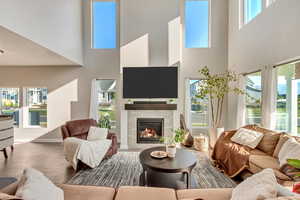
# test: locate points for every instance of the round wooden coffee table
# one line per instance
(167, 172)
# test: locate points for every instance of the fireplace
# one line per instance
(149, 130)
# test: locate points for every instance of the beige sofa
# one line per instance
(265, 155)
(75, 192)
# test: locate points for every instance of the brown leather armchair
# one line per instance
(80, 129)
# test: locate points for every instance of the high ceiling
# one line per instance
(19, 51)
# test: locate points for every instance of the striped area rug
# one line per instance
(124, 169)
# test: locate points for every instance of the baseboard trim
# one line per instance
(41, 140)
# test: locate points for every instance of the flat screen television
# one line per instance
(150, 82)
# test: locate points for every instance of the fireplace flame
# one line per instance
(149, 133)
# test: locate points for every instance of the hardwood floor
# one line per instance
(46, 157)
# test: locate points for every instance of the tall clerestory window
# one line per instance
(104, 24)
(252, 8)
(197, 21)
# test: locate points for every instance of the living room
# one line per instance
(172, 78)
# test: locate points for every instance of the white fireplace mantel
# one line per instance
(128, 124)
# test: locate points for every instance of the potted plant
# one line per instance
(296, 164)
(215, 87)
(172, 142)
(172, 101)
(104, 121)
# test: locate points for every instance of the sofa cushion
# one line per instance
(34, 185)
(259, 162)
(211, 194)
(247, 137)
(76, 192)
(269, 141)
(264, 161)
(145, 193)
(96, 133)
(283, 138)
(258, 186)
(258, 152)
(289, 150)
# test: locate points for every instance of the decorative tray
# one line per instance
(159, 154)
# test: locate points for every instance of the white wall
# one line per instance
(138, 17)
(272, 37)
(54, 24)
(141, 17)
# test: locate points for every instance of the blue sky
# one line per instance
(196, 24)
(104, 27)
(253, 7)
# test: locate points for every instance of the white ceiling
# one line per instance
(19, 51)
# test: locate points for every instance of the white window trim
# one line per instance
(209, 25)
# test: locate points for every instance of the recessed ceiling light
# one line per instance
(1, 51)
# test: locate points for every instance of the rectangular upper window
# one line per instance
(104, 24)
(251, 9)
(197, 23)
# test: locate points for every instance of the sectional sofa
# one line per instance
(76, 192)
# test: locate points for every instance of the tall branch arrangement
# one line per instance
(215, 87)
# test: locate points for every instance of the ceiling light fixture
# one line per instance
(1, 51)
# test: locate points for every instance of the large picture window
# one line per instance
(253, 98)
(251, 9)
(198, 107)
(104, 24)
(36, 104)
(288, 98)
(197, 23)
(10, 103)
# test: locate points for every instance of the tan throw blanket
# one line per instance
(90, 153)
(229, 156)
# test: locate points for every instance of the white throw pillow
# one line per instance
(289, 150)
(35, 186)
(96, 133)
(247, 137)
(259, 186)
